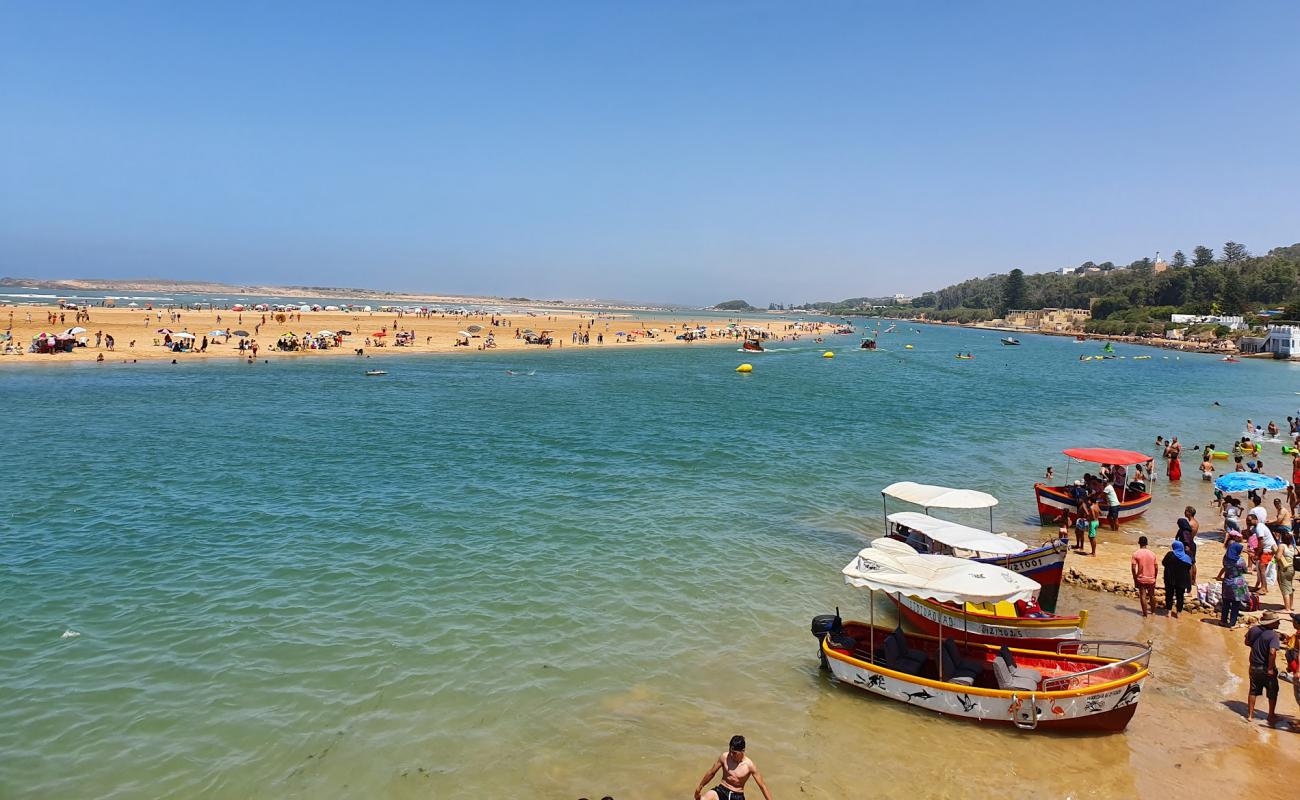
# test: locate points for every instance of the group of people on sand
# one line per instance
(1178, 567)
(1093, 494)
(1259, 553)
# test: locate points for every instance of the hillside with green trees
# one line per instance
(1123, 299)
(734, 305)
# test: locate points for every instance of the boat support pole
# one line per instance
(940, 658)
(872, 602)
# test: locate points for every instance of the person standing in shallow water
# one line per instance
(1175, 469)
(737, 769)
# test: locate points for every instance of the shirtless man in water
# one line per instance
(736, 771)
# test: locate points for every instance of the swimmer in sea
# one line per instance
(737, 769)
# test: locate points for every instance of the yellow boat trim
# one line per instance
(1010, 622)
(1099, 688)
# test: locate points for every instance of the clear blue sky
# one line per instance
(690, 152)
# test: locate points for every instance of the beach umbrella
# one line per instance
(528, 332)
(218, 333)
(379, 333)
(345, 333)
(183, 335)
(1247, 482)
(241, 333)
(133, 305)
(475, 328)
(163, 330)
(74, 331)
(324, 333)
(466, 334)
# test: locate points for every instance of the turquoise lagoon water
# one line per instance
(291, 580)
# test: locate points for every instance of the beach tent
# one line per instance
(891, 566)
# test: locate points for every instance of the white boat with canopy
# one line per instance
(964, 541)
(1044, 562)
(1075, 687)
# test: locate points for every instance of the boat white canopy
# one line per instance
(957, 536)
(892, 566)
(929, 496)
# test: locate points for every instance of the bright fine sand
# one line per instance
(135, 332)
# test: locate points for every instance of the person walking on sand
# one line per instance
(1266, 546)
(1263, 641)
(1178, 577)
(1094, 519)
(1233, 576)
(737, 769)
(1145, 569)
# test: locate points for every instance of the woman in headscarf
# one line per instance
(1178, 577)
(1234, 582)
(1285, 560)
(1187, 536)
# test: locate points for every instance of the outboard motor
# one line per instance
(824, 625)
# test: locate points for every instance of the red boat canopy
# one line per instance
(1106, 455)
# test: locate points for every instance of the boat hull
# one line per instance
(1032, 634)
(1104, 707)
(1055, 504)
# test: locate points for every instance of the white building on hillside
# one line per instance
(1235, 323)
(1283, 341)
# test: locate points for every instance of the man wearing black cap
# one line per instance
(1263, 641)
(737, 769)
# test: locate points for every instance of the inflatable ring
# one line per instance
(1219, 454)
(1289, 451)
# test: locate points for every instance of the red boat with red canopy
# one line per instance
(1061, 503)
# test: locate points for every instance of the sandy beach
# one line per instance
(142, 334)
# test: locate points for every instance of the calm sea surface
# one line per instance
(291, 580)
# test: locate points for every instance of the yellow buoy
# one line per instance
(745, 368)
(907, 347)
(828, 354)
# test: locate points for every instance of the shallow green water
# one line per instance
(292, 580)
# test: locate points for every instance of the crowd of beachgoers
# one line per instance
(101, 333)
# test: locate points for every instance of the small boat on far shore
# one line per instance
(1010, 341)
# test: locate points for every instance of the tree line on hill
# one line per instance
(1135, 298)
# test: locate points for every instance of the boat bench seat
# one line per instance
(1010, 676)
(957, 669)
(901, 658)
